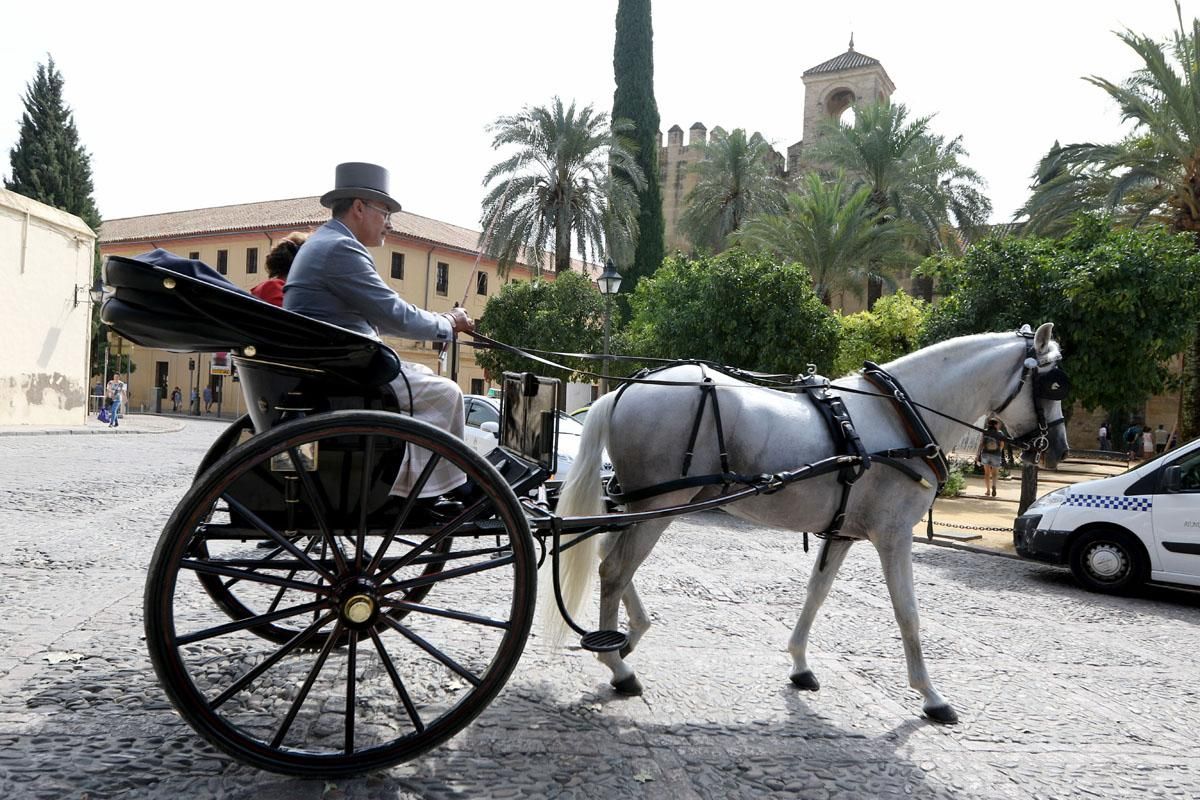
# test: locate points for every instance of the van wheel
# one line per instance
(1108, 561)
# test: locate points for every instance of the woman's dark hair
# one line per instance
(279, 260)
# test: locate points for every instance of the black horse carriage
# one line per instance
(299, 616)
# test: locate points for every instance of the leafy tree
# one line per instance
(886, 332)
(50, 165)
(1152, 174)
(48, 162)
(557, 184)
(833, 231)
(737, 178)
(920, 176)
(633, 68)
(734, 308)
(564, 315)
(1121, 301)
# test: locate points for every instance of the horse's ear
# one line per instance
(1043, 337)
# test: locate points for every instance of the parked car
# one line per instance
(580, 414)
(1116, 533)
(483, 434)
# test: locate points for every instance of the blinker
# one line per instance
(1052, 385)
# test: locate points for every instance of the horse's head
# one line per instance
(1032, 409)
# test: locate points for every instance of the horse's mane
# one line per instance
(980, 340)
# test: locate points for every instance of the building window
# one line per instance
(443, 278)
(481, 283)
(194, 255)
(251, 260)
(398, 266)
(223, 262)
(476, 385)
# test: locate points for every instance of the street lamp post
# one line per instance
(609, 283)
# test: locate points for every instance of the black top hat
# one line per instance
(364, 181)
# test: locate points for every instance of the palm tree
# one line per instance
(836, 232)
(557, 183)
(1152, 174)
(736, 178)
(917, 174)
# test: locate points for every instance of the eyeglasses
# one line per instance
(386, 214)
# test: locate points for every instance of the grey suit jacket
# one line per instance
(333, 279)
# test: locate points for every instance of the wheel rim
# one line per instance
(1106, 562)
(334, 664)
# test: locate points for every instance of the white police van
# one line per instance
(1116, 533)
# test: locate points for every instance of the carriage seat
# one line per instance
(164, 301)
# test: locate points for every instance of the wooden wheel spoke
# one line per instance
(468, 514)
(364, 497)
(209, 568)
(278, 537)
(291, 644)
(411, 709)
(446, 660)
(405, 511)
(463, 616)
(448, 574)
(316, 501)
(311, 678)
(351, 688)
(250, 622)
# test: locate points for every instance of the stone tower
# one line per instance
(833, 86)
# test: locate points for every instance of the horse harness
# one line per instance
(852, 458)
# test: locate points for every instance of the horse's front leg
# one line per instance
(833, 553)
(895, 554)
(625, 553)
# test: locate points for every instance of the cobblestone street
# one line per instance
(1061, 693)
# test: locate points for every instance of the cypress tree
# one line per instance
(633, 68)
(48, 163)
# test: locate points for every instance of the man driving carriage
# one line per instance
(334, 279)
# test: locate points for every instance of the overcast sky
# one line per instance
(188, 105)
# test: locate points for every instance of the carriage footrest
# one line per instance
(603, 641)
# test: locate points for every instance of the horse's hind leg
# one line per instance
(833, 554)
(625, 553)
(895, 554)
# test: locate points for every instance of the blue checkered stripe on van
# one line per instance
(1117, 502)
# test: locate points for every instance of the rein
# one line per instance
(789, 383)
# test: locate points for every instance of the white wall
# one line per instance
(44, 254)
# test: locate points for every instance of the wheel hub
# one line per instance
(358, 603)
(358, 609)
(1106, 562)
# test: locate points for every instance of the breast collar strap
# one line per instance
(918, 432)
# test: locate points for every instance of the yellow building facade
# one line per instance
(428, 262)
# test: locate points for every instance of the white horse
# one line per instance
(768, 431)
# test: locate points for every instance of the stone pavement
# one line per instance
(1062, 693)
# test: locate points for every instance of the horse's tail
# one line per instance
(582, 495)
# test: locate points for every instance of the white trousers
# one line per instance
(437, 400)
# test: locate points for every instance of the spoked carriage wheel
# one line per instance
(366, 677)
(224, 590)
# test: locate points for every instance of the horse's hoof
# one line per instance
(630, 687)
(942, 715)
(806, 681)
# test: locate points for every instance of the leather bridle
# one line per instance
(1052, 384)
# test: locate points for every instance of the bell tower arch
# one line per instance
(835, 85)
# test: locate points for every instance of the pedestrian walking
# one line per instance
(176, 399)
(1132, 440)
(1147, 443)
(990, 455)
(115, 392)
(208, 399)
(194, 402)
(1103, 435)
(1160, 440)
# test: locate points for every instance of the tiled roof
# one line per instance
(847, 60)
(299, 212)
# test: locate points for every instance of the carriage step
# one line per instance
(603, 641)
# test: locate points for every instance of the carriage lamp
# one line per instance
(95, 294)
(609, 282)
